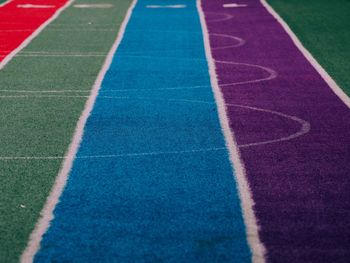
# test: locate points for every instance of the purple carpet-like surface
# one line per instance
(293, 132)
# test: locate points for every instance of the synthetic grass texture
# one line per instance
(323, 28)
(39, 124)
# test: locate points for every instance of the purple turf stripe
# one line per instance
(293, 130)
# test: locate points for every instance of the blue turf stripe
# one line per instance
(160, 207)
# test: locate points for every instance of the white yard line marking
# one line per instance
(323, 73)
(61, 29)
(60, 55)
(231, 5)
(93, 5)
(256, 246)
(39, 96)
(33, 35)
(35, 6)
(62, 177)
(165, 6)
(44, 91)
(107, 156)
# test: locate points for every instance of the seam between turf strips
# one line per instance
(247, 203)
(61, 179)
(27, 41)
(323, 73)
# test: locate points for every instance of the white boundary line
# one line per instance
(5, 3)
(247, 203)
(327, 78)
(47, 213)
(34, 35)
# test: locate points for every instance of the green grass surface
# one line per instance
(43, 126)
(323, 26)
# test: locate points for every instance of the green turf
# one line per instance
(43, 126)
(323, 27)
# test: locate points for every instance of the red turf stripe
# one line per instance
(17, 24)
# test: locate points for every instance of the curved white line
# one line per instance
(272, 74)
(305, 126)
(225, 16)
(239, 41)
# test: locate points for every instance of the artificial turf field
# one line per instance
(152, 180)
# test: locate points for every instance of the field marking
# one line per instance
(93, 6)
(321, 71)
(240, 41)
(233, 5)
(272, 73)
(60, 55)
(166, 6)
(35, 6)
(43, 91)
(225, 17)
(5, 3)
(58, 29)
(107, 156)
(27, 41)
(247, 202)
(305, 126)
(102, 91)
(40, 96)
(47, 212)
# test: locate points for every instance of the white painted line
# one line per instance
(60, 55)
(47, 213)
(35, 6)
(239, 41)
(61, 29)
(33, 35)
(232, 5)
(93, 6)
(5, 3)
(224, 17)
(247, 203)
(165, 6)
(272, 74)
(305, 126)
(327, 78)
(13, 158)
(43, 91)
